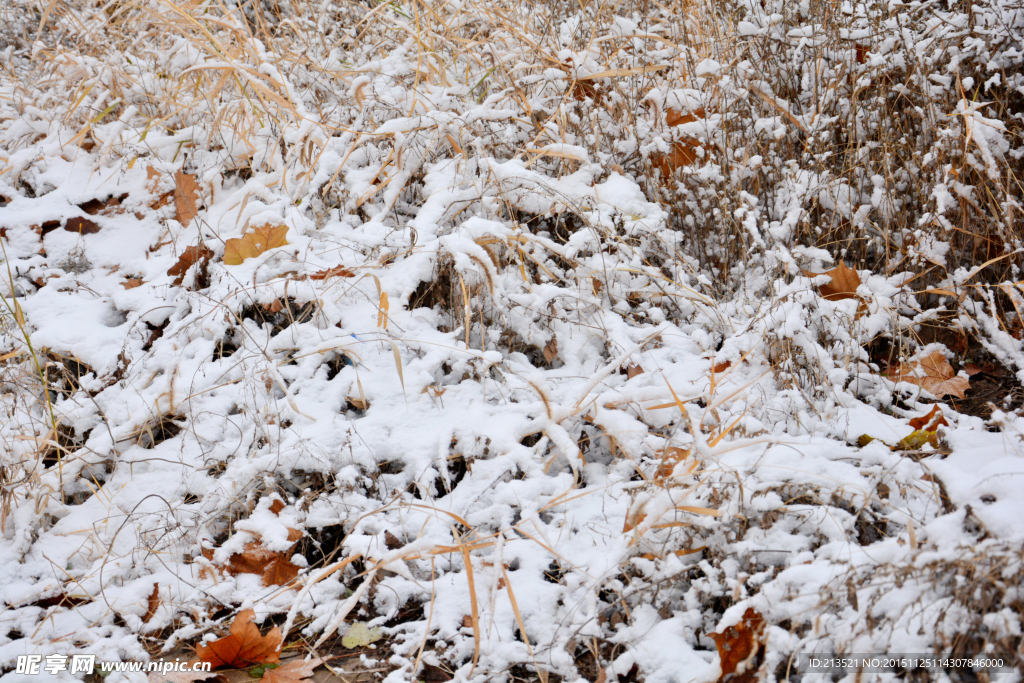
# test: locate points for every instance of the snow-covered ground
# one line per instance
(486, 392)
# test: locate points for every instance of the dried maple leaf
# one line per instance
(154, 603)
(252, 244)
(243, 646)
(844, 284)
(186, 197)
(934, 374)
(292, 672)
(738, 647)
(274, 566)
(191, 256)
(930, 422)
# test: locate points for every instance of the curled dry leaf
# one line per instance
(738, 648)
(551, 349)
(934, 374)
(930, 422)
(244, 646)
(291, 672)
(632, 370)
(252, 244)
(337, 271)
(153, 603)
(190, 257)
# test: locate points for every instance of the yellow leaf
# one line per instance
(252, 244)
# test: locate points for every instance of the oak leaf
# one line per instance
(252, 244)
(738, 648)
(244, 646)
(930, 422)
(934, 374)
(291, 672)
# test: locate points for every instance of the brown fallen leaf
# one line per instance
(930, 422)
(738, 648)
(632, 370)
(154, 603)
(186, 197)
(971, 369)
(551, 349)
(106, 206)
(337, 271)
(153, 178)
(934, 374)
(82, 226)
(292, 672)
(721, 367)
(670, 457)
(252, 244)
(274, 566)
(132, 283)
(844, 284)
(191, 256)
(243, 646)
(276, 306)
(186, 676)
(682, 152)
(277, 506)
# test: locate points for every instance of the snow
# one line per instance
(526, 338)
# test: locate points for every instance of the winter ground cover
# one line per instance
(602, 341)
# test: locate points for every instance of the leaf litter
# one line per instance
(590, 411)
